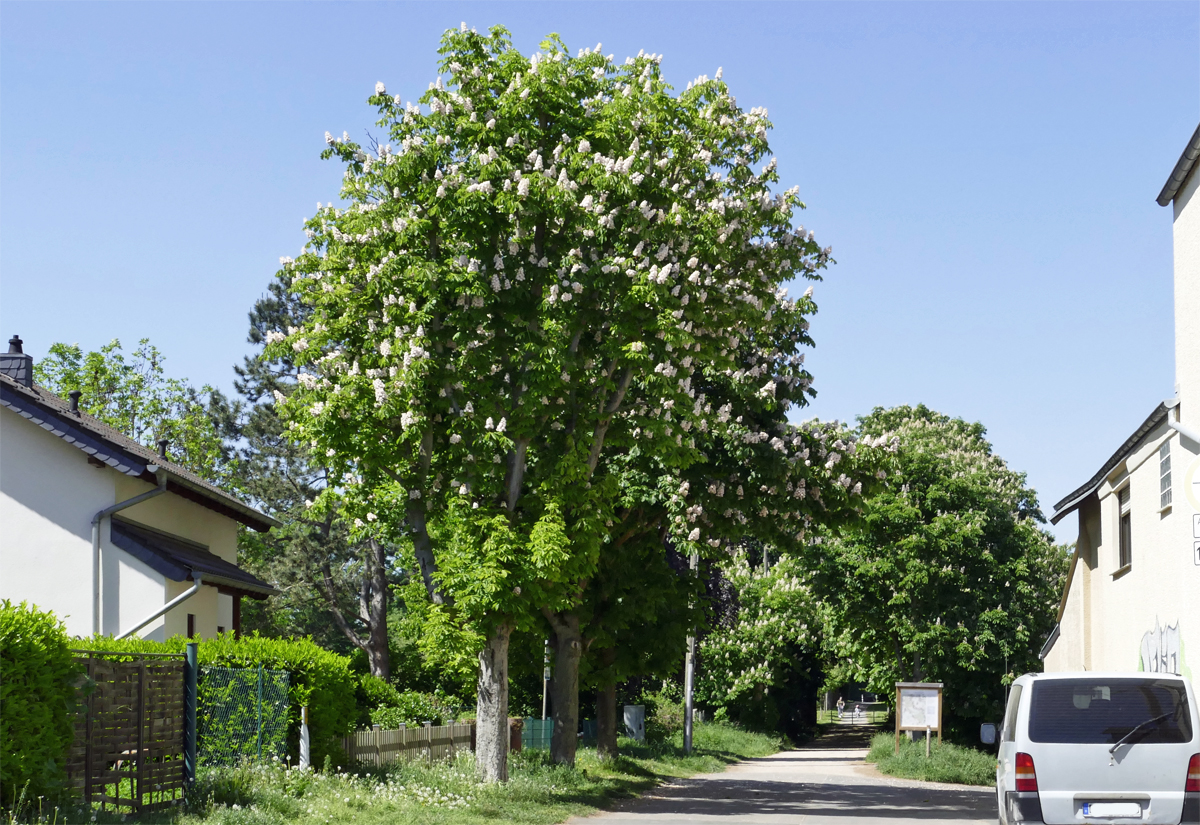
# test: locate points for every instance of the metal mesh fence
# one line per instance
(241, 714)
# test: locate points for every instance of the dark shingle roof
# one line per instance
(100, 441)
(1180, 173)
(1075, 498)
(179, 559)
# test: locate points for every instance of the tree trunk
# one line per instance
(491, 721)
(373, 597)
(564, 688)
(376, 604)
(606, 708)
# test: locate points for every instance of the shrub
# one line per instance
(374, 693)
(412, 708)
(318, 678)
(664, 712)
(38, 682)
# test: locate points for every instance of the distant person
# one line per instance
(857, 711)
(841, 706)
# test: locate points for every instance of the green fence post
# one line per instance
(260, 680)
(190, 677)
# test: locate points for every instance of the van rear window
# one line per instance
(1102, 711)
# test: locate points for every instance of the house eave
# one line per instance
(1072, 501)
(1183, 168)
(98, 441)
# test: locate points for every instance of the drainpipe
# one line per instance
(182, 597)
(97, 519)
(1182, 430)
(1176, 426)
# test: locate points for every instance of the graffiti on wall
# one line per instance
(1160, 649)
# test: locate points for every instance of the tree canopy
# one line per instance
(949, 574)
(534, 277)
(132, 393)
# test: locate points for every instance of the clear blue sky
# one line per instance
(985, 173)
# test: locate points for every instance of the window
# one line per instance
(191, 625)
(1164, 475)
(1009, 732)
(1103, 711)
(1126, 536)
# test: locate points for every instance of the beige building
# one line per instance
(109, 535)
(1132, 598)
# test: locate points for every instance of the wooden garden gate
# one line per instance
(128, 752)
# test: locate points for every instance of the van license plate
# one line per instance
(1113, 809)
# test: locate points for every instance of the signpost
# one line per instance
(918, 707)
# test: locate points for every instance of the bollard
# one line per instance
(190, 676)
(927, 729)
(305, 739)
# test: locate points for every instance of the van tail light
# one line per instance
(1193, 776)
(1026, 775)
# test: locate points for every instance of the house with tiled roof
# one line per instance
(1132, 597)
(110, 535)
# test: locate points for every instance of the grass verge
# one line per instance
(946, 763)
(447, 793)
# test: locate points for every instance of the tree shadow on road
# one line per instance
(729, 796)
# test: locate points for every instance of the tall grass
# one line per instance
(946, 763)
(538, 791)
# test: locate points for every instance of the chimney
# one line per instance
(162, 447)
(74, 396)
(16, 364)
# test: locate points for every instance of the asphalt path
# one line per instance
(823, 783)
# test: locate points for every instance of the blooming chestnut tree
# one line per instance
(538, 264)
(777, 628)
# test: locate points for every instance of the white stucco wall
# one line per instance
(48, 496)
(1186, 208)
(1108, 613)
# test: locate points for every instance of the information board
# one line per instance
(918, 707)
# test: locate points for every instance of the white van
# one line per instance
(1098, 747)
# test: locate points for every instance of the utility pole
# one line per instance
(689, 677)
(545, 678)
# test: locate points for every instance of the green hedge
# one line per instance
(412, 709)
(320, 679)
(38, 678)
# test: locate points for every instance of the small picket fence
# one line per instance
(382, 747)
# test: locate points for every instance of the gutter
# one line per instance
(1050, 640)
(1182, 168)
(182, 597)
(96, 521)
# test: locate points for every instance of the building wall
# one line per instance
(1114, 617)
(48, 496)
(1186, 207)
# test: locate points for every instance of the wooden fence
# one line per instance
(381, 747)
(128, 751)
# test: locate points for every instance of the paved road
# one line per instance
(821, 784)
